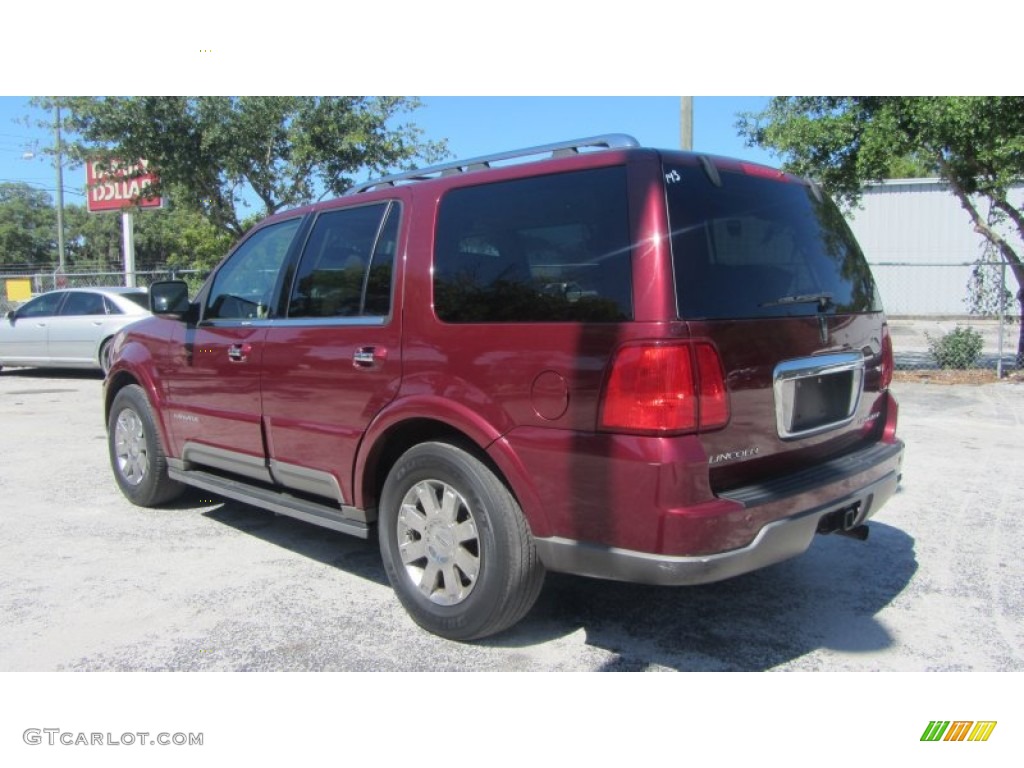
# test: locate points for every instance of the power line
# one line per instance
(43, 187)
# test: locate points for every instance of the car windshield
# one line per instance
(747, 246)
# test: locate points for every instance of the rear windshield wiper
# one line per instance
(823, 300)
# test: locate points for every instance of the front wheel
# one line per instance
(456, 547)
(136, 453)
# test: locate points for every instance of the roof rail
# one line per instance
(558, 149)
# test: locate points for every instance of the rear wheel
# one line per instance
(455, 544)
(106, 350)
(136, 452)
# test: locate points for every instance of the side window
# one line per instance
(111, 307)
(79, 303)
(544, 249)
(345, 268)
(244, 285)
(377, 301)
(41, 306)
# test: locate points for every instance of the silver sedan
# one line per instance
(69, 328)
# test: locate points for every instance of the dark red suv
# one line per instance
(589, 357)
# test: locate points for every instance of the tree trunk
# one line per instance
(1009, 255)
(1020, 339)
(1018, 272)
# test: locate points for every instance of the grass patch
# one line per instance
(952, 376)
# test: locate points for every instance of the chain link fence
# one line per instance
(17, 287)
(951, 316)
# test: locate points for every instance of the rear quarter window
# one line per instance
(551, 248)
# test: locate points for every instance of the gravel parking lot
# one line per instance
(89, 582)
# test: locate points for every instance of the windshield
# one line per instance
(761, 247)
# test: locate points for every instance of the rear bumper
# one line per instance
(872, 476)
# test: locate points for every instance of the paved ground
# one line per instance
(88, 582)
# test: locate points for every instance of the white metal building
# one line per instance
(920, 243)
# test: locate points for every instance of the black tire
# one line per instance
(136, 451)
(460, 555)
(104, 356)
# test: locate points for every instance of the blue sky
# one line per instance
(477, 125)
(473, 125)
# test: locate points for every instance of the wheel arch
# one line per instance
(117, 381)
(382, 447)
(120, 378)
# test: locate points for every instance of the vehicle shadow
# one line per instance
(51, 373)
(827, 598)
(360, 557)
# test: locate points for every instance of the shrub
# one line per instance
(960, 348)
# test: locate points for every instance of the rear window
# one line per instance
(761, 247)
(544, 249)
(136, 297)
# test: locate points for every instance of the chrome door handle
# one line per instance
(239, 353)
(369, 357)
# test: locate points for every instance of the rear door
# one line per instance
(75, 333)
(332, 361)
(767, 269)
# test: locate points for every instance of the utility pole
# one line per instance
(686, 122)
(59, 162)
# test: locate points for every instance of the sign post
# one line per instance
(117, 186)
(128, 242)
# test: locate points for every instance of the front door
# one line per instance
(214, 388)
(23, 333)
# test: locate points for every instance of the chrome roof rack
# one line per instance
(558, 149)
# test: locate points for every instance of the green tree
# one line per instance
(28, 226)
(975, 144)
(93, 241)
(168, 237)
(179, 238)
(214, 152)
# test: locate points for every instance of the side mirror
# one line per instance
(11, 314)
(169, 297)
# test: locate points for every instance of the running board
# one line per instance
(308, 511)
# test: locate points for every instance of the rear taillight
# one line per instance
(888, 362)
(665, 388)
(714, 400)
